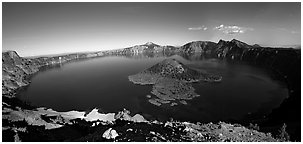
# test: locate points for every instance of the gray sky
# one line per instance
(52, 28)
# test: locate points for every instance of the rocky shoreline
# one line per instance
(21, 121)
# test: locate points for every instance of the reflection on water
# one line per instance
(103, 82)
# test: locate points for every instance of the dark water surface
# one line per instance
(103, 83)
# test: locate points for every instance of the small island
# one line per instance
(171, 82)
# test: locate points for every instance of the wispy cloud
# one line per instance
(233, 29)
(285, 30)
(295, 32)
(198, 28)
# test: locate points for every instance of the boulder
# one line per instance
(110, 134)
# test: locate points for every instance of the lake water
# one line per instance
(103, 83)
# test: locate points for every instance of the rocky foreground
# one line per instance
(22, 122)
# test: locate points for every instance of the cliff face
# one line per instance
(16, 69)
(285, 63)
(231, 49)
(149, 50)
(149, 47)
(205, 47)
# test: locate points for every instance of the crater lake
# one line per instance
(103, 83)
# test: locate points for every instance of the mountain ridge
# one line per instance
(189, 47)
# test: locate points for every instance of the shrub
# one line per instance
(254, 126)
(283, 135)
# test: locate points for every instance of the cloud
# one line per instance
(295, 32)
(198, 28)
(219, 27)
(285, 30)
(233, 29)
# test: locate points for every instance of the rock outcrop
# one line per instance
(16, 70)
(125, 115)
(110, 134)
(205, 47)
(148, 47)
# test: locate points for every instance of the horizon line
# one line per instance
(294, 46)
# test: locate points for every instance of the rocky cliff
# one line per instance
(149, 49)
(205, 47)
(16, 69)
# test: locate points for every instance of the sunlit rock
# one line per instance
(125, 115)
(95, 115)
(154, 102)
(110, 134)
(183, 102)
(173, 104)
(33, 117)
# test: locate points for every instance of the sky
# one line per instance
(34, 29)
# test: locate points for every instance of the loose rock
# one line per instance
(110, 134)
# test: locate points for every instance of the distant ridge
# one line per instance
(208, 47)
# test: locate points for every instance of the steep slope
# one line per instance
(199, 47)
(150, 45)
(14, 70)
(231, 49)
(144, 48)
